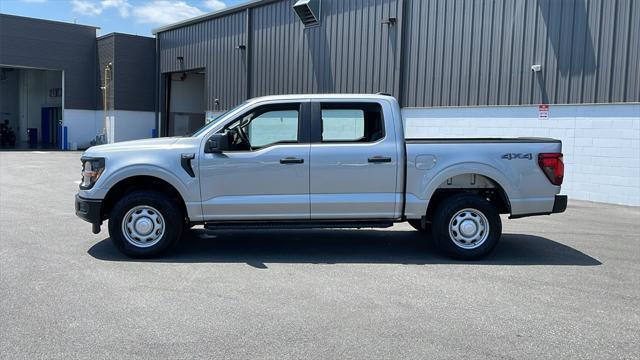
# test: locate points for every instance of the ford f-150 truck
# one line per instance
(317, 161)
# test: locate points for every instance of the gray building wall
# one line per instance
(26, 42)
(133, 71)
(213, 46)
(438, 52)
(466, 52)
(106, 52)
(350, 52)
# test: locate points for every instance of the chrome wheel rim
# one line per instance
(143, 226)
(469, 228)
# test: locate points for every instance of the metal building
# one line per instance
(458, 68)
(45, 68)
(425, 52)
(127, 97)
(52, 76)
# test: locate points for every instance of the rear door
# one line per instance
(354, 161)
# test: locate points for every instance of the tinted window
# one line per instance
(352, 123)
(264, 126)
(342, 125)
(273, 127)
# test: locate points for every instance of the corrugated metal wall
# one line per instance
(439, 53)
(352, 51)
(213, 46)
(480, 52)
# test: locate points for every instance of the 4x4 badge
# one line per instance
(512, 156)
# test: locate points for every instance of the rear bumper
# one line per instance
(559, 206)
(89, 209)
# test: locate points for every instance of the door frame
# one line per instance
(303, 140)
(390, 136)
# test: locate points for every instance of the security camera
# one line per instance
(536, 68)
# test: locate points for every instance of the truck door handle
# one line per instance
(379, 159)
(291, 160)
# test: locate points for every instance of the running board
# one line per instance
(251, 225)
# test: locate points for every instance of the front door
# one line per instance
(265, 176)
(354, 162)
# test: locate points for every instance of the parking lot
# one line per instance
(563, 286)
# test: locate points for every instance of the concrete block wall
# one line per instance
(84, 125)
(601, 143)
(133, 125)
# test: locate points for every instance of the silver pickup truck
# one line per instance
(317, 161)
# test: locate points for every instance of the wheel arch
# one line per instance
(489, 182)
(141, 182)
(495, 194)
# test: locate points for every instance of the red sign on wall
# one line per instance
(543, 112)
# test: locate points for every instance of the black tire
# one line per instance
(168, 209)
(417, 224)
(444, 216)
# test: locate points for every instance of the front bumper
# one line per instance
(89, 210)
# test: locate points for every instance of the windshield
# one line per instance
(210, 123)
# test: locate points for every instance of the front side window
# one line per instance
(352, 123)
(264, 127)
(209, 124)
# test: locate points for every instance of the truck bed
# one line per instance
(510, 163)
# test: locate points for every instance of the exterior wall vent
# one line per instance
(308, 11)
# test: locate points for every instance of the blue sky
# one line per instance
(125, 16)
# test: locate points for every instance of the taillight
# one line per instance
(552, 166)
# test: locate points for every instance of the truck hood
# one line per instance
(137, 145)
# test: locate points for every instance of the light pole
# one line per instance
(104, 137)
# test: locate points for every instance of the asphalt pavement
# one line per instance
(561, 286)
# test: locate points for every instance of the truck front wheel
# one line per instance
(466, 226)
(417, 224)
(144, 224)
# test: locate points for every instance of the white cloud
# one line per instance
(215, 5)
(157, 12)
(95, 8)
(123, 6)
(86, 7)
(162, 12)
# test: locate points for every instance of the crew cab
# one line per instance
(317, 161)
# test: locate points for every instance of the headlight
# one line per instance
(92, 168)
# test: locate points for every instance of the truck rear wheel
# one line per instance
(144, 224)
(466, 227)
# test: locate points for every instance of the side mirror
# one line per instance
(217, 144)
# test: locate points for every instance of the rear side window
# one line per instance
(349, 122)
